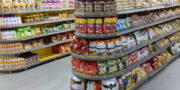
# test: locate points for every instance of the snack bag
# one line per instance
(147, 67)
(119, 64)
(84, 46)
(91, 26)
(110, 84)
(99, 26)
(76, 83)
(81, 67)
(111, 67)
(91, 69)
(101, 48)
(75, 63)
(102, 68)
(118, 46)
(93, 85)
(92, 48)
(110, 47)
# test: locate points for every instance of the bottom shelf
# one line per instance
(154, 72)
(42, 60)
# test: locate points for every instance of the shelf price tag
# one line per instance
(122, 73)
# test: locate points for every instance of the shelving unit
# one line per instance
(89, 58)
(38, 23)
(147, 9)
(54, 57)
(43, 59)
(95, 59)
(103, 36)
(36, 11)
(37, 36)
(49, 45)
(126, 70)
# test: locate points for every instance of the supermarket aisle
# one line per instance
(167, 79)
(51, 76)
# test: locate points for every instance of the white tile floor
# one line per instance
(56, 76)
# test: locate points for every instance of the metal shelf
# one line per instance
(95, 15)
(146, 9)
(122, 32)
(37, 36)
(154, 73)
(127, 69)
(49, 45)
(38, 23)
(35, 11)
(35, 64)
(126, 52)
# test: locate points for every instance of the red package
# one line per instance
(147, 67)
(75, 63)
(81, 67)
(83, 25)
(107, 25)
(77, 24)
(91, 68)
(84, 46)
(91, 26)
(113, 24)
(75, 45)
(93, 85)
(99, 26)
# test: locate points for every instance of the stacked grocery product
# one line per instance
(135, 4)
(9, 21)
(129, 79)
(95, 7)
(108, 25)
(120, 52)
(24, 32)
(34, 31)
(30, 5)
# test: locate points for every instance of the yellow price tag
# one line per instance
(122, 73)
(117, 33)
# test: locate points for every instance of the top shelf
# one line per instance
(120, 12)
(146, 9)
(35, 11)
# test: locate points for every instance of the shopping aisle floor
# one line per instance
(56, 76)
(51, 76)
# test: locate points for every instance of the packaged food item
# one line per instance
(111, 67)
(110, 47)
(99, 26)
(118, 46)
(76, 83)
(93, 85)
(101, 48)
(92, 48)
(110, 84)
(91, 26)
(82, 25)
(91, 69)
(107, 25)
(98, 6)
(101, 68)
